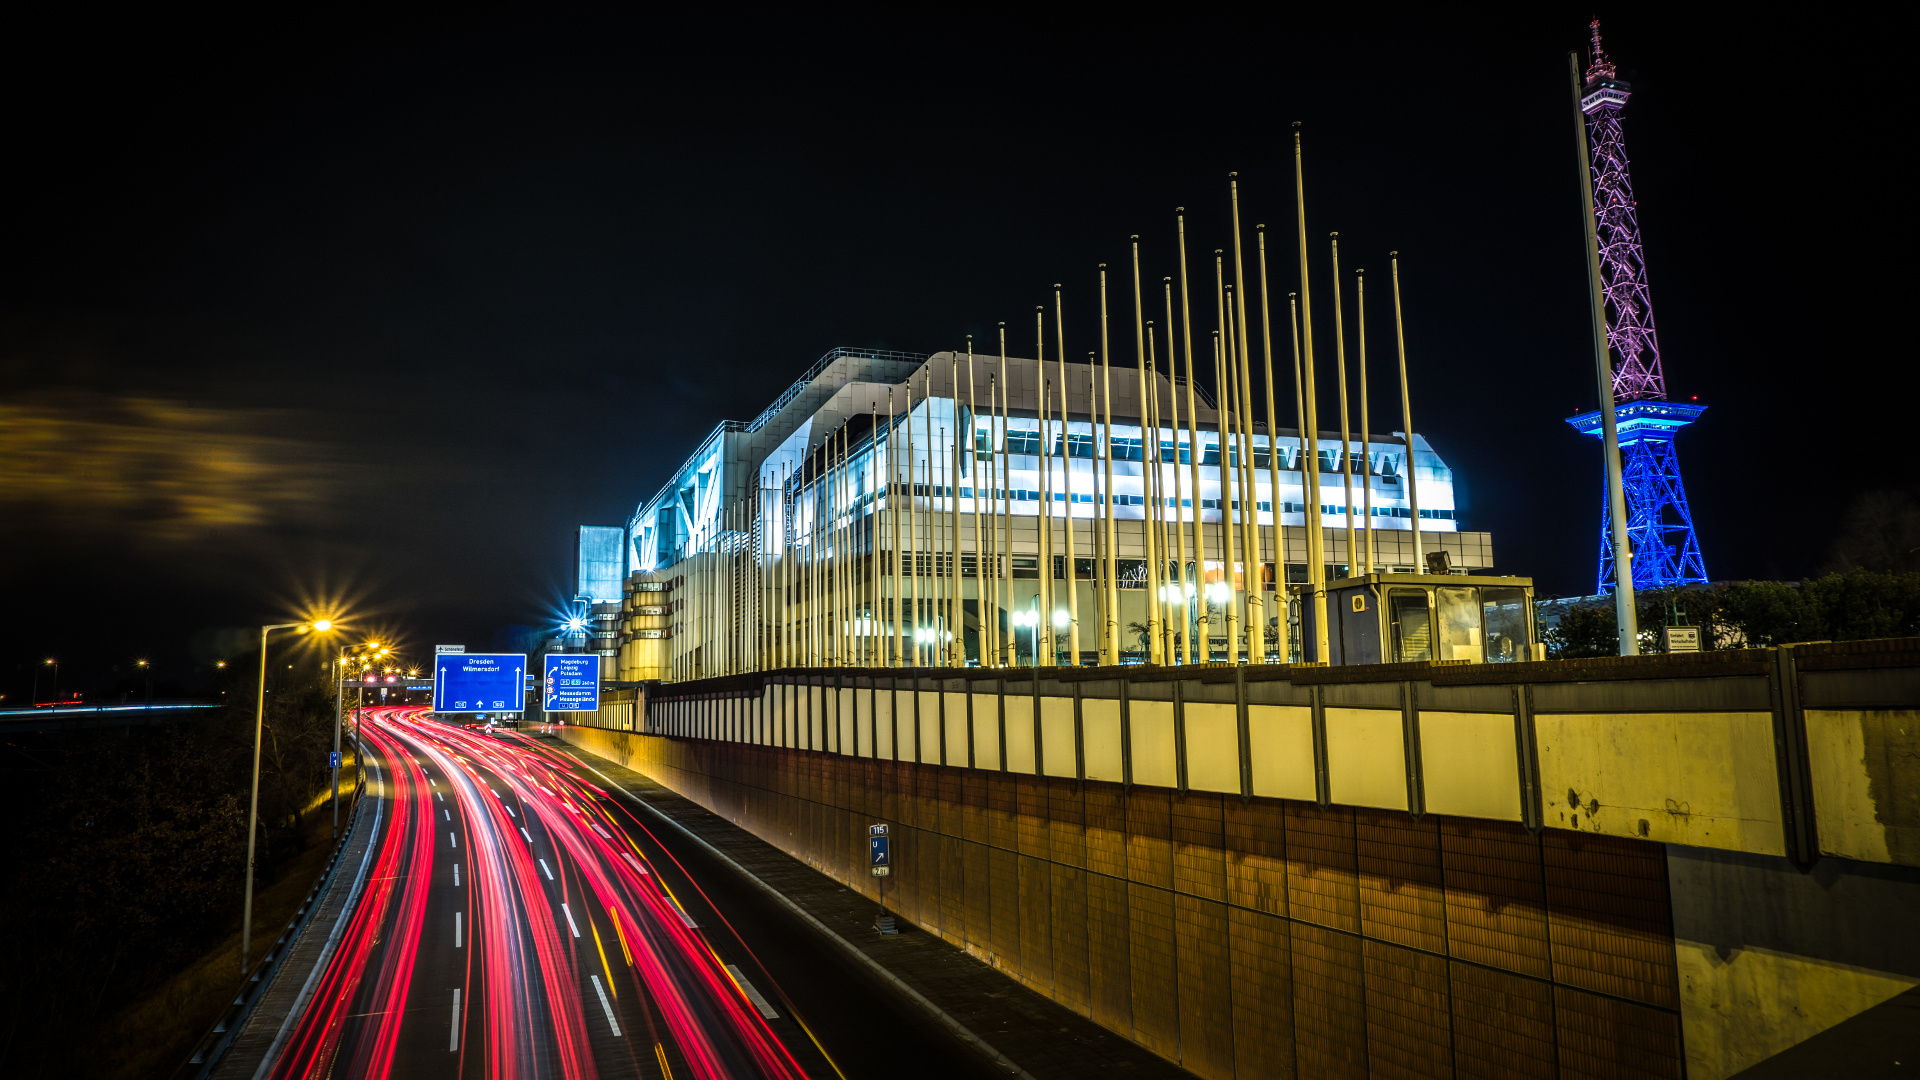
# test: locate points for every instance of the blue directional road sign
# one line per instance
(479, 682)
(572, 682)
(879, 850)
(333, 760)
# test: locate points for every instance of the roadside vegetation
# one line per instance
(1852, 606)
(122, 872)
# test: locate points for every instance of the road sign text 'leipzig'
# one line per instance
(479, 682)
(572, 682)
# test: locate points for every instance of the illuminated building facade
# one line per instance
(761, 551)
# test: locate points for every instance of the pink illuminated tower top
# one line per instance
(1637, 374)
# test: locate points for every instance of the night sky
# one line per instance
(382, 310)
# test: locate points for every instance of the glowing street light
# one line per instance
(253, 810)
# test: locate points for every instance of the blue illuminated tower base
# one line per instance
(1659, 525)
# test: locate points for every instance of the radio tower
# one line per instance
(1659, 525)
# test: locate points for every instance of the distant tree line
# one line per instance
(124, 857)
(1750, 614)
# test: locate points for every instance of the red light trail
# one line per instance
(510, 930)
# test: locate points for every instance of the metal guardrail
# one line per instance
(213, 1046)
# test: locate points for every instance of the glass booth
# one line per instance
(1399, 618)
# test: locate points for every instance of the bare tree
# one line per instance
(1881, 533)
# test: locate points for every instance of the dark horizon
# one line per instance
(322, 313)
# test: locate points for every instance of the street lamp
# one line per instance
(147, 670)
(55, 665)
(253, 809)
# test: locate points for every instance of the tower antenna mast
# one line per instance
(1663, 548)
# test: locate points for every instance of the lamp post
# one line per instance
(253, 808)
(146, 669)
(55, 665)
(339, 691)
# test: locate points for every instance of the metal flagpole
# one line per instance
(1406, 418)
(1200, 632)
(1066, 480)
(1043, 522)
(991, 573)
(1149, 467)
(956, 629)
(870, 647)
(1250, 505)
(1244, 479)
(913, 538)
(1007, 510)
(1346, 430)
(1110, 643)
(1179, 501)
(972, 452)
(956, 617)
(893, 518)
(1316, 535)
(1283, 644)
(1366, 427)
(1095, 545)
(1223, 391)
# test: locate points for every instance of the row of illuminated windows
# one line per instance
(942, 491)
(1130, 449)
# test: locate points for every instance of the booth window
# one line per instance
(1412, 631)
(1505, 609)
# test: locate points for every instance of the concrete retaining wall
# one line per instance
(1241, 937)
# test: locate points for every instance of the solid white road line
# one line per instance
(453, 1041)
(604, 1003)
(544, 870)
(753, 994)
(570, 924)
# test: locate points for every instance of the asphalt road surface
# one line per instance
(520, 922)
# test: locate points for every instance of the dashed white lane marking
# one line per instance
(627, 855)
(604, 1003)
(451, 842)
(753, 994)
(570, 924)
(456, 929)
(456, 873)
(549, 873)
(523, 832)
(453, 1043)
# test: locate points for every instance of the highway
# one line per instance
(511, 928)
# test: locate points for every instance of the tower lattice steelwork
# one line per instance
(1659, 525)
